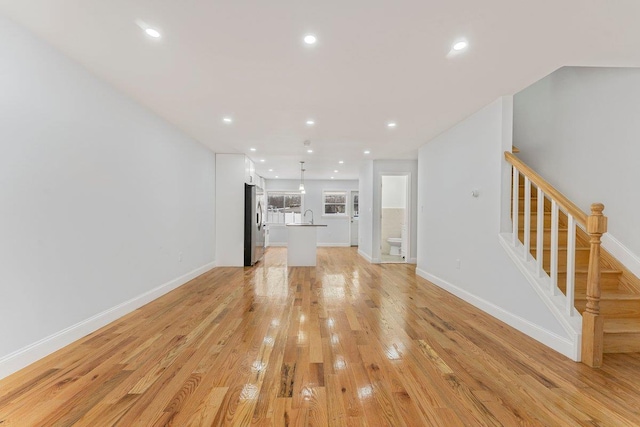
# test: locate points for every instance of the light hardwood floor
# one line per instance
(345, 343)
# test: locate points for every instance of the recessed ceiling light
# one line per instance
(335, 171)
(309, 151)
(227, 119)
(311, 122)
(261, 160)
(331, 177)
(460, 45)
(276, 176)
(252, 149)
(392, 124)
(152, 33)
(367, 152)
(270, 170)
(310, 39)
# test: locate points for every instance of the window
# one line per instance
(284, 207)
(356, 209)
(335, 202)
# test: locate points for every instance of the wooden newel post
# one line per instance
(592, 322)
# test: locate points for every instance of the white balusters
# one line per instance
(554, 247)
(540, 233)
(571, 264)
(515, 200)
(527, 218)
(553, 244)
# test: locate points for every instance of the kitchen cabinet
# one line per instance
(250, 176)
(233, 171)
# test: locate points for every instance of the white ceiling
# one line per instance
(375, 61)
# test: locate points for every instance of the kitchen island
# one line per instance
(302, 242)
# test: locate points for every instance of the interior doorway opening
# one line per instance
(394, 219)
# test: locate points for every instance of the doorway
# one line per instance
(394, 214)
(354, 212)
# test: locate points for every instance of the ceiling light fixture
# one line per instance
(261, 160)
(392, 124)
(367, 152)
(310, 39)
(276, 176)
(309, 151)
(341, 162)
(227, 119)
(270, 170)
(301, 187)
(311, 122)
(460, 45)
(331, 177)
(151, 32)
(252, 149)
(335, 171)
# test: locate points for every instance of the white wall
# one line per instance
(337, 232)
(579, 129)
(230, 180)
(101, 202)
(390, 167)
(365, 220)
(453, 225)
(394, 191)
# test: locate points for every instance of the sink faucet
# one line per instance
(305, 215)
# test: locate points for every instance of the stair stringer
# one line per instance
(541, 284)
(621, 253)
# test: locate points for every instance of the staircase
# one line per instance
(612, 324)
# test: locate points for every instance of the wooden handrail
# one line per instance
(548, 189)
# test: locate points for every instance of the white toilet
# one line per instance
(395, 244)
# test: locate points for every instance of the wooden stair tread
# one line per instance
(622, 326)
(564, 248)
(561, 248)
(585, 271)
(560, 230)
(610, 295)
(534, 213)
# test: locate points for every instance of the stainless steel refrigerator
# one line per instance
(253, 224)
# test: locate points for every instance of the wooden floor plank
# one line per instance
(347, 343)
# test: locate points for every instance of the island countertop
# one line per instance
(302, 240)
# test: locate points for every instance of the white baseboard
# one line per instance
(364, 255)
(621, 253)
(278, 244)
(560, 344)
(25, 356)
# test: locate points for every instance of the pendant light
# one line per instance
(301, 188)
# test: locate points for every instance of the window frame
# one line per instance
(344, 214)
(284, 193)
